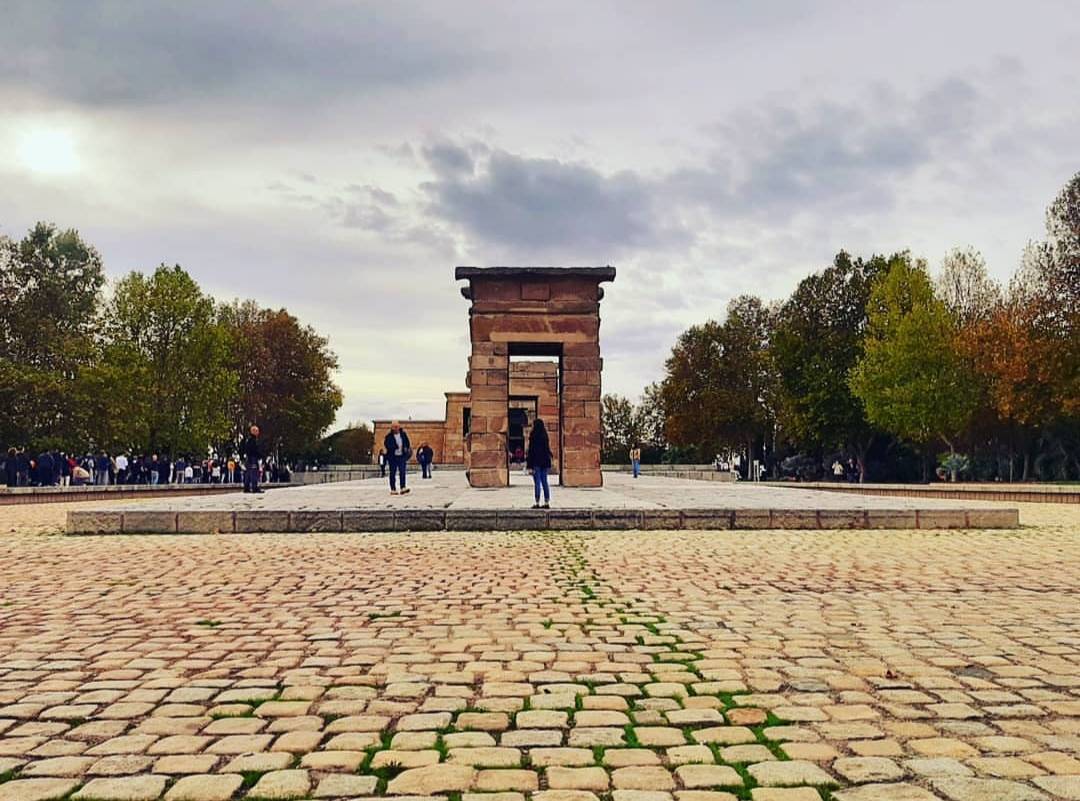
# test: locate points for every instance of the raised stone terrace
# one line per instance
(447, 502)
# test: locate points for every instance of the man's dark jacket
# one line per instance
(251, 450)
(391, 446)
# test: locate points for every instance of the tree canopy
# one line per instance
(157, 365)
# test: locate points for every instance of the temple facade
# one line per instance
(534, 353)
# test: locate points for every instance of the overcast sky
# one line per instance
(339, 158)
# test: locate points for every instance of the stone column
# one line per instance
(489, 382)
(581, 415)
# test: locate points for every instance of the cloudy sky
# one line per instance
(339, 158)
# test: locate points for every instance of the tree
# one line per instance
(162, 334)
(618, 423)
(966, 288)
(50, 284)
(349, 445)
(818, 340)
(651, 422)
(285, 377)
(1063, 230)
(910, 378)
(719, 388)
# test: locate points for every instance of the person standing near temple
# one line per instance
(635, 460)
(425, 455)
(538, 462)
(250, 452)
(398, 451)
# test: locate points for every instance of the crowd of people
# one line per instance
(23, 468)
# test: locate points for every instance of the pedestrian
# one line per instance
(635, 460)
(538, 461)
(424, 456)
(45, 469)
(837, 470)
(399, 450)
(251, 461)
(101, 469)
(11, 468)
(22, 468)
(382, 463)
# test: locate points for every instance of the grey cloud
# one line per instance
(545, 205)
(765, 162)
(112, 52)
(446, 158)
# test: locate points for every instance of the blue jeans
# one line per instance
(540, 479)
(397, 468)
(637, 467)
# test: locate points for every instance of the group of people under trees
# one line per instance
(397, 450)
(56, 468)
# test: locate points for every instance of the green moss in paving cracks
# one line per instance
(385, 774)
(250, 778)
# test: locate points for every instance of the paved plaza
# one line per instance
(561, 666)
(446, 501)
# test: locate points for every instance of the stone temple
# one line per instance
(535, 334)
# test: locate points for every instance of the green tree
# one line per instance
(349, 445)
(285, 374)
(818, 340)
(50, 284)
(169, 356)
(910, 378)
(618, 423)
(719, 390)
(651, 424)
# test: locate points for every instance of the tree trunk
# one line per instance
(861, 449)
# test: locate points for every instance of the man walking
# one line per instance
(398, 451)
(250, 452)
(635, 460)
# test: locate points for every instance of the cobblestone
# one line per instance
(658, 666)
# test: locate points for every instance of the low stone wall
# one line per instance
(695, 475)
(389, 520)
(114, 492)
(1023, 493)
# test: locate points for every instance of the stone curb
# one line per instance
(133, 521)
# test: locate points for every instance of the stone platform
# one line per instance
(447, 503)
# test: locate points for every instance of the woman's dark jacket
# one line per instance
(539, 454)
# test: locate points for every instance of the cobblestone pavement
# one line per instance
(694, 666)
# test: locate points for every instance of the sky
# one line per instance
(340, 158)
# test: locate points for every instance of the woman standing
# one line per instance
(538, 461)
